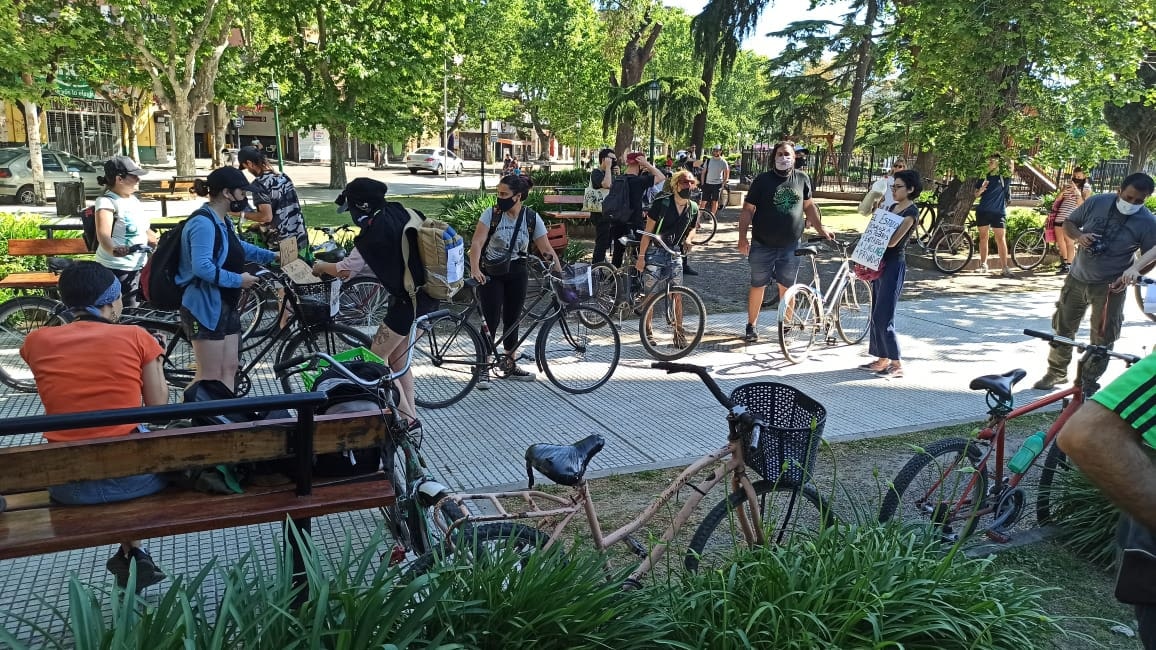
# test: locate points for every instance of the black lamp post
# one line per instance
(482, 117)
(273, 92)
(652, 93)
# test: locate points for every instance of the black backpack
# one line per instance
(347, 397)
(616, 205)
(158, 278)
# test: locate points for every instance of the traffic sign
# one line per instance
(493, 138)
(239, 121)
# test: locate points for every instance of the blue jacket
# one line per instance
(198, 270)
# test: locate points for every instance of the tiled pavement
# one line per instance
(648, 418)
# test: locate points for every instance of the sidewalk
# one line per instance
(649, 419)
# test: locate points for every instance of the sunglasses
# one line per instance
(687, 183)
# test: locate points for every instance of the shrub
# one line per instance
(561, 178)
(1086, 518)
(22, 226)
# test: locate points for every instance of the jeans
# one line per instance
(109, 490)
(885, 292)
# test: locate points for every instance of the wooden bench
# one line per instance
(174, 190)
(30, 525)
(72, 224)
(566, 199)
(40, 247)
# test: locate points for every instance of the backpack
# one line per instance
(158, 278)
(344, 396)
(88, 225)
(442, 253)
(616, 205)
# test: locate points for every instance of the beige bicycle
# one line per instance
(773, 429)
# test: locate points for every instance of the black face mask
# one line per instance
(684, 193)
(237, 206)
(504, 205)
(800, 162)
(1079, 182)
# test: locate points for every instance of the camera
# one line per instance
(1098, 246)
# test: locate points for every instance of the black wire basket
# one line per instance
(785, 448)
(313, 302)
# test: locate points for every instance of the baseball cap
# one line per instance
(366, 193)
(119, 165)
(717, 147)
(250, 154)
(633, 157)
(228, 178)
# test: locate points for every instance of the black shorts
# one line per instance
(993, 219)
(228, 324)
(711, 192)
(400, 315)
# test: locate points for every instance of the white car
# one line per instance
(16, 174)
(434, 159)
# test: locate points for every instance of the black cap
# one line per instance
(228, 178)
(366, 193)
(251, 154)
(121, 165)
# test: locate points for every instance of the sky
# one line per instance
(777, 16)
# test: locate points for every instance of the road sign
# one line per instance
(239, 121)
(493, 138)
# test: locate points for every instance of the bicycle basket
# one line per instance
(314, 301)
(789, 442)
(358, 354)
(575, 285)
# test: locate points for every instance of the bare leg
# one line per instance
(1063, 245)
(754, 303)
(1000, 245)
(390, 345)
(217, 360)
(983, 245)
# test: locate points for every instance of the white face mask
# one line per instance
(1125, 208)
(783, 163)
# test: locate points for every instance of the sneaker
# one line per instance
(1064, 268)
(484, 381)
(982, 268)
(890, 372)
(1049, 381)
(874, 366)
(1007, 273)
(686, 270)
(510, 370)
(147, 573)
(751, 336)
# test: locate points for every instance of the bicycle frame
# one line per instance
(828, 300)
(493, 338)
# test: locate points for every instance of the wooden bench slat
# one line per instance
(31, 467)
(177, 512)
(30, 280)
(558, 199)
(569, 215)
(66, 246)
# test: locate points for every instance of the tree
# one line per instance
(114, 76)
(1135, 121)
(634, 25)
(678, 97)
(737, 91)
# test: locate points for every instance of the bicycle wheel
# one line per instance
(933, 487)
(575, 356)
(180, 363)
(259, 307)
(364, 302)
(925, 223)
(1029, 249)
(605, 279)
(18, 317)
(331, 338)
(1056, 467)
(953, 251)
(707, 227)
(1138, 291)
(799, 313)
(672, 323)
(720, 532)
(409, 521)
(853, 311)
(448, 360)
(481, 545)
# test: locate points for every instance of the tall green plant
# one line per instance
(1086, 518)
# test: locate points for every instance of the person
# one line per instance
(278, 209)
(773, 210)
(1072, 196)
(883, 185)
(507, 164)
(991, 214)
(212, 270)
(601, 178)
(801, 156)
(885, 289)
(674, 218)
(716, 173)
(129, 373)
(641, 175)
(1109, 229)
(256, 143)
(515, 166)
(498, 253)
(121, 223)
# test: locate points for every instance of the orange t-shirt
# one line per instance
(89, 366)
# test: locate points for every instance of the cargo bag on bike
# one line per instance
(347, 397)
(158, 278)
(442, 253)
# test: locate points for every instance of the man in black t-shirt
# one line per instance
(775, 207)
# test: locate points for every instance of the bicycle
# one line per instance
(773, 429)
(707, 221)
(950, 245)
(959, 481)
(409, 519)
(807, 310)
(577, 346)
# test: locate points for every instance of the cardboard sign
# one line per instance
(287, 247)
(869, 251)
(300, 272)
(1150, 299)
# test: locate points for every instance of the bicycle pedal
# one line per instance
(397, 555)
(831, 341)
(998, 537)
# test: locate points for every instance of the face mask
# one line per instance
(505, 205)
(799, 162)
(783, 163)
(1125, 208)
(238, 205)
(684, 193)
(1079, 181)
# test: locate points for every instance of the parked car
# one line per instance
(16, 174)
(434, 159)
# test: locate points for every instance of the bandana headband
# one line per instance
(107, 298)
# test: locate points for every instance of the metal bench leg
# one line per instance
(164, 208)
(303, 527)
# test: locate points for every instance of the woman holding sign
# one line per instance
(886, 288)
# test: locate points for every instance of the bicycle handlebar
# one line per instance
(703, 374)
(658, 239)
(1098, 350)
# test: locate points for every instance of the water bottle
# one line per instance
(1028, 452)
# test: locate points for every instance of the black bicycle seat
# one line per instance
(58, 264)
(804, 251)
(470, 282)
(563, 464)
(1001, 385)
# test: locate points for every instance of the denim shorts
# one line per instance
(228, 324)
(778, 264)
(659, 266)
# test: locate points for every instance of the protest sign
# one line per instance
(869, 251)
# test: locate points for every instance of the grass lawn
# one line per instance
(325, 214)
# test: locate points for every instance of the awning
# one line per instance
(508, 141)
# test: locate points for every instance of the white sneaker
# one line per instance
(982, 268)
(1007, 273)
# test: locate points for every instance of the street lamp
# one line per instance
(273, 92)
(578, 158)
(652, 93)
(458, 58)
(482, 150)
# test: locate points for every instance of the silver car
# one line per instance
(434, 159)
(59, 166)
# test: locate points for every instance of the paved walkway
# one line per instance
(648, 418)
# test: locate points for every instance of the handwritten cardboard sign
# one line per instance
(869, 251)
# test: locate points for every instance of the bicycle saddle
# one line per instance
(563, 464)
(58, 264)
(1001, 385)
(803, 251)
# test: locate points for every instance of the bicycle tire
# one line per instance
(605, 279)
(479, 540)
(799, 313)
(575, 356)
(714, 543)
(1029, 249)
(953, 251)
(363, 302)
(1138, 291)
(853, 311)
(259, 307)
(402, 517)
(1051, 482)
(707, 227)
(330, 338)
(18, 317)
(925, 223)
(660, 341)
(448, 361)
(953, 448)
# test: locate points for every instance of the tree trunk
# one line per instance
(698, 129)
(217, 123)
(184, 147)
(35, 159)
(338, 150)
(859, 84)
(1140, 149)
(132, 139)
(634, 60)
(925, 165)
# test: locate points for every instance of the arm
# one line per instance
(607, 176)
(547, 251)
(647, 165)
(476, 243)
(1072, 227)
(264, 213)
(153, 237)
(104, 219)
(745, 218)
(204, 263)
(643, 244)
(1141, 267)
(815, 219)
(154, 389)
(901, 231)
(258, 254)
(726, 172)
